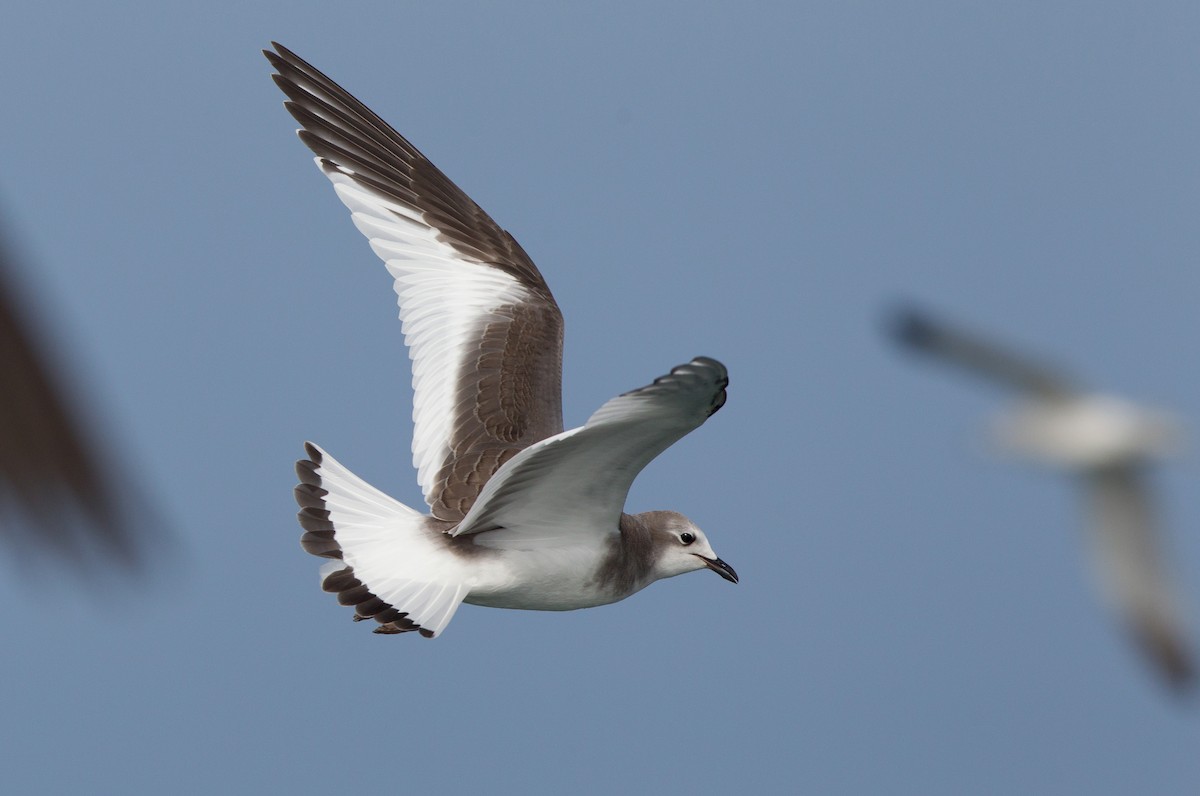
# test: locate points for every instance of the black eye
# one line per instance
(687, 538)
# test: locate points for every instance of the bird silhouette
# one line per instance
(1108, 443)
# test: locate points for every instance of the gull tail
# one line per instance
(388, 562)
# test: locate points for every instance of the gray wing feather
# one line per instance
(583, 475)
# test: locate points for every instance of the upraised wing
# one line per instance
(483, 331)
(578, 480)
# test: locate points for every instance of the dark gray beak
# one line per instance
(720, 567)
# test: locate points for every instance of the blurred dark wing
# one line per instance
(54, 492)
(921, 332)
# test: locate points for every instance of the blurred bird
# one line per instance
(522, 513)
(57, 498)
(1109, 443)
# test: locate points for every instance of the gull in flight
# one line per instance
(1109, 442)
(522, 514)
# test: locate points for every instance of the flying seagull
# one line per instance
(1109, 442)
(522, 514)
(57, 499)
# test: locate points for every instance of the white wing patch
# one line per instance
(444, 300)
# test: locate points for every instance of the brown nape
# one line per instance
(631, 555)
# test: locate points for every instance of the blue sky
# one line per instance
(755, 184)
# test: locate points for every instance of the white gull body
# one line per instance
(1108, 443)
(523, 514)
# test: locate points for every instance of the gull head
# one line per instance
(683, 547)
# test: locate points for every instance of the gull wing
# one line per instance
(483, 331)
(578, 480)
(921, 332)
(1131, 572)
(55, 489)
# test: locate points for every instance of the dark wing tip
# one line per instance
(714, 370)
(911, 327)
(1168, 651)
(1181, 674)
(353, 139)
(700, 370)
(282, 55)
(722, 373)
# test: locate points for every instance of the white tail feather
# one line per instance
(391, 548)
